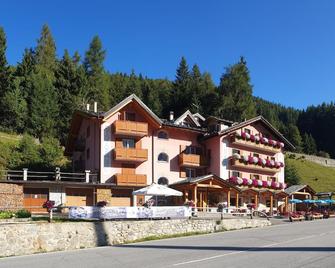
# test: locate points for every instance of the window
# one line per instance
(235, 174)
(88, 132)
(273, 158)
(128, 143)
(235, 151)
(247, 130)
(162, 135)
(274, 179)
(130, 116)
(88, 153)
(163, 157)
(255, 176)
(163, 181)
(190, 172)
(256, 155)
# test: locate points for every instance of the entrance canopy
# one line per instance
(157, 190)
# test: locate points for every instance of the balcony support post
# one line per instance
(228, 198)
(87, 176)
(25, 174)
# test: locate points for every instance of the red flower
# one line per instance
(252, 137)
(243, 135)
(250, 159)
(245, 181)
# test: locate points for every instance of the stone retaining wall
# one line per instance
(29, 238)
(327, 162)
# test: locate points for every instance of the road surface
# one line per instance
(305, 244)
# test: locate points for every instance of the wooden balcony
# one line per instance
(236, 164)
(192, 160)
(130, 154)
(130, 179)
(240, 143)
(130, 128)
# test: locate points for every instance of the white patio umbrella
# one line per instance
(157, 190)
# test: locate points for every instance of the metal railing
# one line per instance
(57, 175)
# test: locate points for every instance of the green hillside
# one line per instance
(320, 178)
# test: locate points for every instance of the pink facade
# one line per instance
(174, 150)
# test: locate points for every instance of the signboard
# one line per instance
(109, 213)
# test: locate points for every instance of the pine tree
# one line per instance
(236, 92)
(309, 144)
(98, 80)
(15, 108)
(291, 175)
(151, 97)
(133, 86)
(43, 99)
(70, 83)
(46, 50)
(293, 135)
(5, 73)
(44, 104)
(181, 87)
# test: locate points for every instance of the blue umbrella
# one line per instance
(309, 201)
(329, 201)
(295, 201)
(320, 202)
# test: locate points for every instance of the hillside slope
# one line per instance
(320, 178)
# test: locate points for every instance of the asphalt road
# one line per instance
(305, 244)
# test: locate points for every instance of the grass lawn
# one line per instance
(320, 178)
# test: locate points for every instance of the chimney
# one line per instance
(95, 107)
(171, 118)
(87, 106)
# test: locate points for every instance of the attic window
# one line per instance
(130, 116)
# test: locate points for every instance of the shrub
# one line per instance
(23, 213)
(6, 214)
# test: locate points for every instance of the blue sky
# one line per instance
(289, 45)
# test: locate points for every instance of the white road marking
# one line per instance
(242, 251)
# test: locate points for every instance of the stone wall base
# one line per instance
(29, 238)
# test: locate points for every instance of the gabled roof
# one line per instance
(204, 178)
(181, 118)
(296, 188)
(199, 116)
(168, 123)
(221, 120)
(128, 100)
(250, 121)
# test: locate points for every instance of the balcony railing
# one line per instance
(192, 160)
(130, 154)
(130, 128)
(236, 164)
(57, 175)
(254, 145)
(131, 179)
